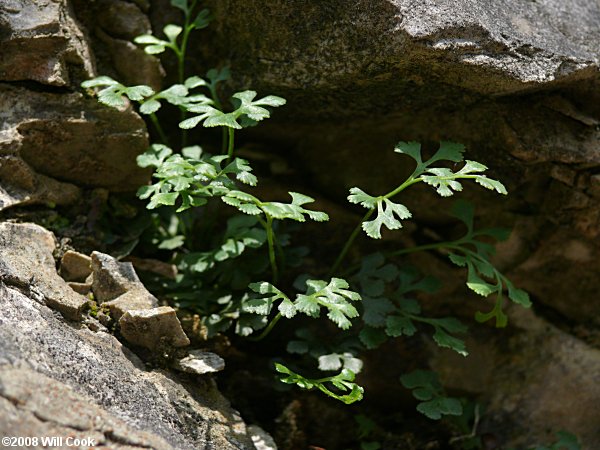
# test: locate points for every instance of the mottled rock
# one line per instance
(261, 439)
(153, 328)
(59, 380)
(112, 278)
(69, 138)
(136, 299)
(26, 262)
(41, 41)
(200, 362)
(75, 266)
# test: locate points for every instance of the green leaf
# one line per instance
(163, 199)
(518, 296)
(376, 311)
(172, 31)
(427, 388)
(358, 196)
(372, 337)
(443, 339)
(154, 156)
(443, 180)
(412, 149)
(181, 4)
(448, 151)
(150, 107)
(399, 326)
(99, 81)
(270, 294)
(344, 381)
(333, 296)
(203, 19)
(388, 214)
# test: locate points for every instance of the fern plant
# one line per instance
(236, 282)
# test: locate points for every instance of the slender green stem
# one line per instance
(159, 130)
(410, 181)
(349, 243)
(224, 139)
(268, 329)
(230, 144)
(271, 243)
(421, 248)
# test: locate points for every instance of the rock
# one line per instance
(73, 138)
(366, 56)
(261, 439)
(200, 362)
(75, 266)
(534, 380)
(112, 278)
(26, 262)
(152, 328)
(80, 288)
(42, 42)
(112, 26)
(21, 185)
(136, 299)
(59, 380)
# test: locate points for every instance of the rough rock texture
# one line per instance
(199, 362)
(153, 328)
(75, 266)
(112, 278)
(26, 262)
(41, 41)
(58, 379)
(71, 138)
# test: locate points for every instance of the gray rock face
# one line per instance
(75, 266)
(199, 362)
(26, 262)
(57, 379)
(329, 53)
(112, 278)
(153, 328)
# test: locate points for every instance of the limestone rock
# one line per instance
(41, 41)
(59, 380)
(75, 266)
(153, 328)
(112, 278)
(199, 362)
(136, 299)
(26, 262)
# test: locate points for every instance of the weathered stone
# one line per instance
(21, 185)
(112, 26)
(153, 328)
(112, 278)
(365, 56)
(58, 380)
(42, 42)
(81, 288)
(261, 439)
(75, 266)
(534, 380)
(26, 262)
(135, 299)
(200, 362)
(66, 137)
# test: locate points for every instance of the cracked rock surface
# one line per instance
(63, 379)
